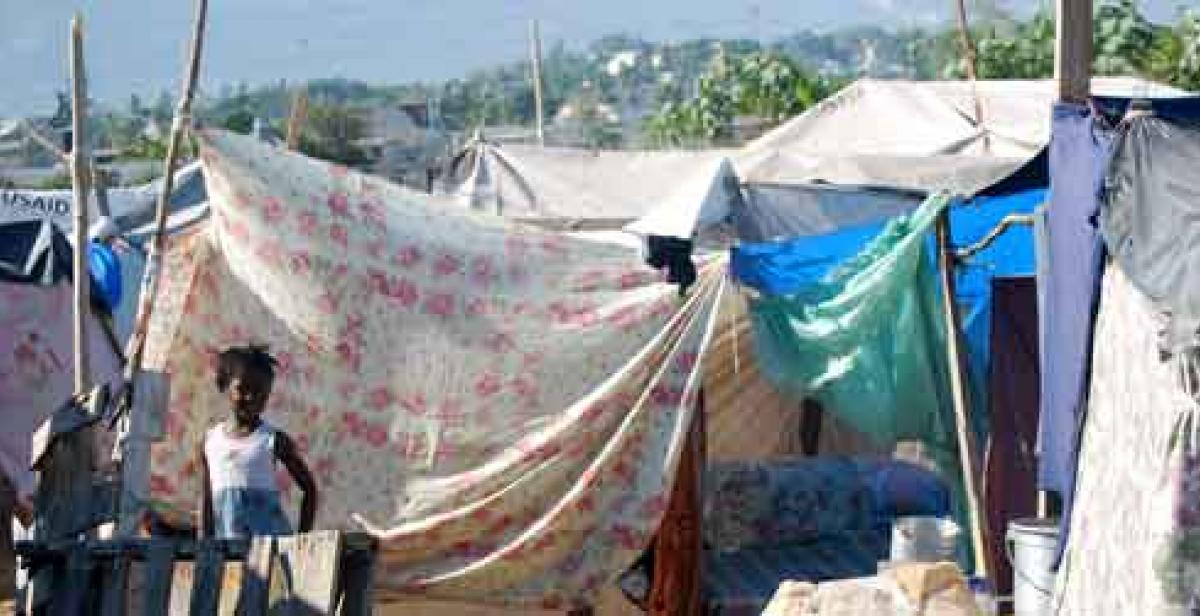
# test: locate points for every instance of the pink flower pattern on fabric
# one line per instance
(415, 346)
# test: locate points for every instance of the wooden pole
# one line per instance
(46, 143)
(100, 185)
(968, 49)
(968, 451)
(1073, 50)
(79, 187)
(297, 117)
(136, 431)
(535, 53)
(99, 181)
(182, 118)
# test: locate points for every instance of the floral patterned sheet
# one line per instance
(504, 407)
(1134, 546)
(37, 374)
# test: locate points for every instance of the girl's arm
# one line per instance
(285, 451)
(206, 505)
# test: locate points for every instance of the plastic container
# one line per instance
(985, 596)
(923, 539)
(1031, 544)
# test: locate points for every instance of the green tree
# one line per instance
(1175, 57)
(239, 121)
(332, 132)
(764, 85)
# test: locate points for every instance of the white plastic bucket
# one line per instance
(1031, 545)
(923, 539)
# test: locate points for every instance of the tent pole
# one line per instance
(1073, 49)
(297, 117)
(99, 181)
(968, 452)
(45, 142)
(972, 62)
(135, 430)
(535, 53)
(182, 118)
(79, 188)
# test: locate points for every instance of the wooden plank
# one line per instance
(309, 567)
(968, 451)
(115, 587)
(104, 501)
(160, 570)
(207, 577)
(256, 577)
(66, 419)
(70, 588)
(1073, 49)
(356, 595)
(140, 427)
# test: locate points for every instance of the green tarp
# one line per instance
(868, 341)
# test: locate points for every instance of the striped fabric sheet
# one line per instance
(743, 582)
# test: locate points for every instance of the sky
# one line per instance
(138, 46)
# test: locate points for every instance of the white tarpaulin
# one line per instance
(703, 198)
(531, 182)
(918, 134)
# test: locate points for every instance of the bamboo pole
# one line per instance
(967, 448)
(297, 117)
(182, 118)
(99, 181)
(972, 59)
(79, 188)
(535, 53)
(45, 142)
(100, 186)
(135, 430)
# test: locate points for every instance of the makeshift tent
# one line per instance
(866, 340)
(129, 228)
(1119, 556)
(504, 406)
(130, 207)
(36, 368)
(919, 134)
(873, 351)
(607, 188)
(1140, 442)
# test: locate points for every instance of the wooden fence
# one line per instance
(322, 573)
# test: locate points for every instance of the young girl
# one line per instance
(237, 457)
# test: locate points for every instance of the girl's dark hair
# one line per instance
(250, 357)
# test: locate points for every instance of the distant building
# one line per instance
(406, 142)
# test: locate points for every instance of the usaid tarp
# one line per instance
(129, 206)
(504, 406)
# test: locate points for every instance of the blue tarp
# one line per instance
(791, 267)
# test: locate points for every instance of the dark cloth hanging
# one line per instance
(1149, 222)
(676, 587)
(34, 252)
(675, 255)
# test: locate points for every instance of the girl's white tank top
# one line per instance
(243, 462)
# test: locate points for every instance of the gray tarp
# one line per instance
(1150, 220)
